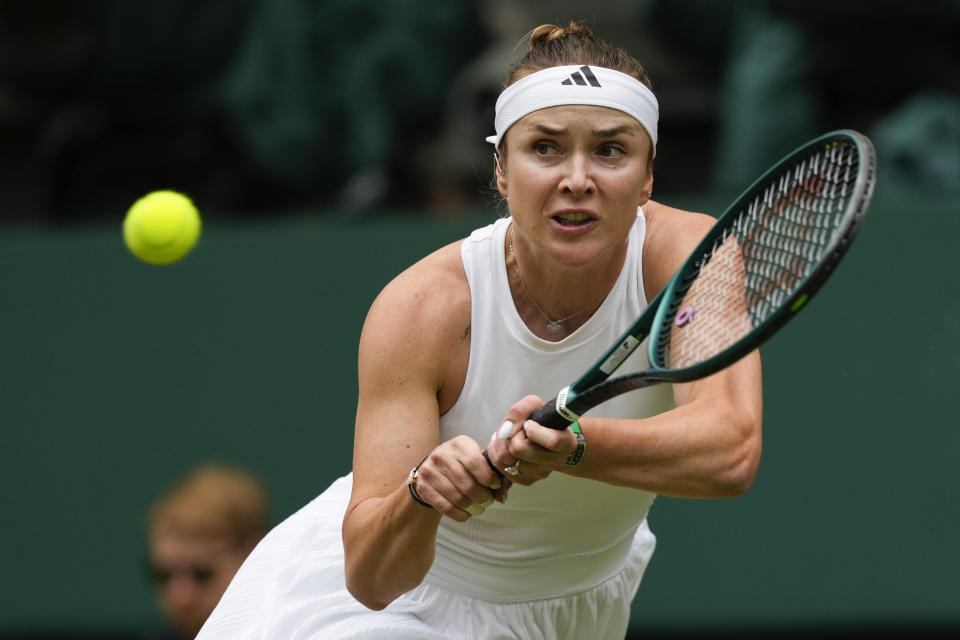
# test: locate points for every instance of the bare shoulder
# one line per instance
(410, 350)
(671, 235)
(419, 317)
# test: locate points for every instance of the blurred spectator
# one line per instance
(271, 106)
(101, 101)
(800, 68)
(254, 106)
(199, 533)
(330, 99)
(920, 141)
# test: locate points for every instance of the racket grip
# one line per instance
(547, 416)
(486, 457)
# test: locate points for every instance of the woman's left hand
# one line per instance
(525, 451)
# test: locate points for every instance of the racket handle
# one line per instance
(490, 462)
(547, 416)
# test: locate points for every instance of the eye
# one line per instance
(611, 151)
(545, 148)
(202, 575)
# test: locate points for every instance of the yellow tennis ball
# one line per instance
(161, 227)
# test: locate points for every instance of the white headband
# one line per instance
(597, 86)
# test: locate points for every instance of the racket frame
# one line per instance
(594, 387)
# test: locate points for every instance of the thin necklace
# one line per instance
(553, 326)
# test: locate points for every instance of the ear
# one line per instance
(647, 188)
(500, 177)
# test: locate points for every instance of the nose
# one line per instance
(181, 591)
(577, 179)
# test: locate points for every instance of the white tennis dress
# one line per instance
(560, 560)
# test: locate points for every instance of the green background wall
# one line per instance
(116, 377)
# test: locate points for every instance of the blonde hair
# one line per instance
(214, 500)
(575, 44)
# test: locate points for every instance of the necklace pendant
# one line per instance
(554, 326)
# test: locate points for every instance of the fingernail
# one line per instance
(526, 425)
(496, 484)
(506, 430)
(494, 436)
(477, 509)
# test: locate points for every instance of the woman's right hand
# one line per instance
(456, 479)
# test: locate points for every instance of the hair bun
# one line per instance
(546, 33)
(576, 44)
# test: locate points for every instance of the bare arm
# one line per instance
(408, 353)
(709, 445)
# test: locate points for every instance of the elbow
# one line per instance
(365, 596)
(360, 568)
(376, 591)
(740, 471)
(739, 478)
(365, 590)
(378, 571)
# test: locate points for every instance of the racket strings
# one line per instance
(762, 258)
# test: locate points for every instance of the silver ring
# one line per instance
(513, 470)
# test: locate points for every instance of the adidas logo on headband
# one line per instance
(575, 77)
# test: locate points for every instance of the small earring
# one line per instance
(649, 194)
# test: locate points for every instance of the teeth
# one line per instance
(573, 218)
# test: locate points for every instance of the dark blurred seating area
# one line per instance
(281, 106)
(247, 105)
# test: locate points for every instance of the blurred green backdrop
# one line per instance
(331, 143)
(118, 376)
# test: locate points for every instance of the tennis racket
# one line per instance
(762, 261)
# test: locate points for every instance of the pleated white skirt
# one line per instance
(292, 587)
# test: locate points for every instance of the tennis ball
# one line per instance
(161, 227)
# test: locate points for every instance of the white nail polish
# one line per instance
(506, 430)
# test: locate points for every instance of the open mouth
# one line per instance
(573, 219)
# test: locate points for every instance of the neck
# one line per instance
(554, 300)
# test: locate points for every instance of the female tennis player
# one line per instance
(455, 355)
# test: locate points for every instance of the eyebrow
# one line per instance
(544, 129)
(610, 133)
